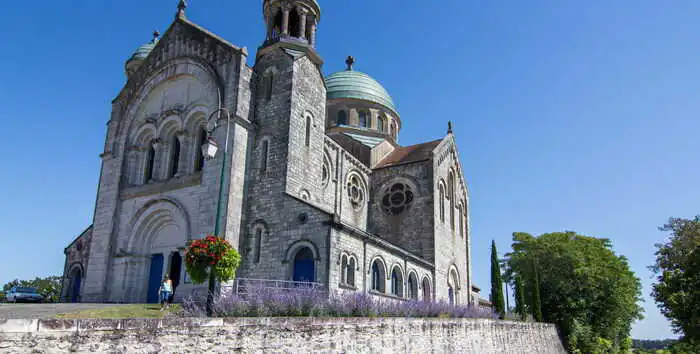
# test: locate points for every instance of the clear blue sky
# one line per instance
(569, 115)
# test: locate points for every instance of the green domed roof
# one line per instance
(357, 85)
(143, 51)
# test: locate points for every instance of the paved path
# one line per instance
(20, 311)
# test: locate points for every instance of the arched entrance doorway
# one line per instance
(76, 278)
(175, 271)
(304, 266)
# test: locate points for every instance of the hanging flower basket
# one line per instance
(208, 254)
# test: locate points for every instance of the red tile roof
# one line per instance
(409, 154)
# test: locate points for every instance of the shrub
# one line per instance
(305, 301)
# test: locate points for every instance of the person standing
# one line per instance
(165, 292)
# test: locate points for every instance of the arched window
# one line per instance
(277, 24)
(174, 156)
(394, 129)
(308, 130)
(343, 269)
(263, 156)
(350, 278)
(461, 220)
(412, 287)
(426, 289)
(266, 85)
(304, 266)
(380, 123)
(396, 282)
(150, 161)
(294, 27)
(453, 288)
(363, 119)
(199, 156)
(258, 245)
(451, 197)
(342, 117)
(378, 278)
(442, 202)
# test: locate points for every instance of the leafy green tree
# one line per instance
(536, 299)
(520, 305)
(496, 283)
(49, 287)
(677, 291)
(587, 290)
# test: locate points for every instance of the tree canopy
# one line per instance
(587, 290)
(677, 291)
(497, 283)
(49, 287)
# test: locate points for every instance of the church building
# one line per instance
(301, 172)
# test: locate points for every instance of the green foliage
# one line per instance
(536, 303)
(211, 253)
(520, 304)
(587, 290)
(653, 343)
(497, 283)
(49, 287)
(678, 277)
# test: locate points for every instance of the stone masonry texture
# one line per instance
(279, 335)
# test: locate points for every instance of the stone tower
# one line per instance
(289, 112)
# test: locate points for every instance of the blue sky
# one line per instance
(569, 115)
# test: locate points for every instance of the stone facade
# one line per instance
(305, 198)
(279, 335)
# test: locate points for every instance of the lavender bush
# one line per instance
(316, 302)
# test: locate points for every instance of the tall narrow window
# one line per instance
(451, 197)
(150, 160)
(174, 156)
(442, 203)
(308, 131)
(350, 278)
(294, 26)
(263, 156)
(199, 156)
(344, 269)
(394, 129)
(396, 283)
(258, 243)
(342, 118)
(380, 124)
(363, 119)
(461, 221)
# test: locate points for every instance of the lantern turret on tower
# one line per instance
(292, 23)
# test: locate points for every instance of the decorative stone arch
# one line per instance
(442, 194)
(304, 194)
(72, 284)
(136, 93)
(194, 124)
(326, 169)
(426, 285)
(348, 268)
(378, 281)
(266, 83)
(453, 285)
(412, 284)
(397, 283)
(312, 264)
(151, 218)
(398, 194)
(309, 123)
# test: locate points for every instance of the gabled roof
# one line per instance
(410, 154)
(89, 229)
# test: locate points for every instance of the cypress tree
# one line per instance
(496, 283)
(520, 306)
(536, 302)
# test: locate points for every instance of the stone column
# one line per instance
(133, 153)
(312, 40)
(285, 19)
(182, 165)
(303, 13)
(158, 160)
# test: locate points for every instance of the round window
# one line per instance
(397, 199)
(355, 192)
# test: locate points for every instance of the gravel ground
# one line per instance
(22, 311)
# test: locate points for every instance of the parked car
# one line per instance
(23, 294)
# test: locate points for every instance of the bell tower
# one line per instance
(291, 24)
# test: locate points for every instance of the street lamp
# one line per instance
(209, 150)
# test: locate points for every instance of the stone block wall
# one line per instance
(279, 335)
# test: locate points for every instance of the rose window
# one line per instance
(397, 199)
(355, 192)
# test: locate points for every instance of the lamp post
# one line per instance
(209, 150)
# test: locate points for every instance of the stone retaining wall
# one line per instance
(279, 335)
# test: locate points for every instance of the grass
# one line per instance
(121, 311)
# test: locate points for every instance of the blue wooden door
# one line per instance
(154, 278)
(77, 278)
(304, 266)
